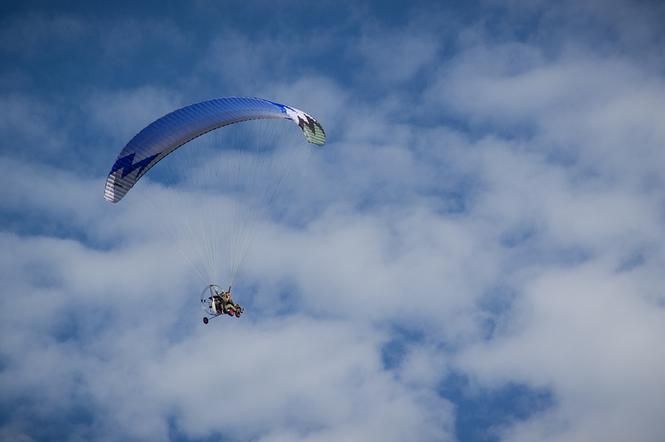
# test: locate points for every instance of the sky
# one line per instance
(476, 255)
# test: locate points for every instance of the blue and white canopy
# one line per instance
(171, 131)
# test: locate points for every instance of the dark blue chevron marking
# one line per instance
(128, 166)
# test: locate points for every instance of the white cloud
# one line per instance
(394, 58)
(589, 334)
(29, 122)
(121, 114)
(248, 379)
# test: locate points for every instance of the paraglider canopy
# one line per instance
(171, 131)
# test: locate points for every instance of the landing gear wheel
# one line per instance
(238, 313)
(205, 320)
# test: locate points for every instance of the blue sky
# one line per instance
(476, 255)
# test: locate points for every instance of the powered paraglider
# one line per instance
(218, 241)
